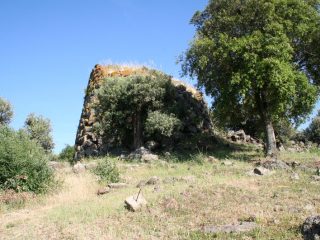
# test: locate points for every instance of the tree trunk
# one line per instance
(271, 139)
(271, 148)
(137, 131)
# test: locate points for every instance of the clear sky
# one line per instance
(48, 48)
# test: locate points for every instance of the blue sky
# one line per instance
(48, 48)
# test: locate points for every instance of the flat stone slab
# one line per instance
(135, 202)
(231, 228)
(103, 190)
(117, 185)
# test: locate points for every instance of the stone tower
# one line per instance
(88, 143)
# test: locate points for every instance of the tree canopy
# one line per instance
(39, 129)
(6, 112)
(258, 59)
(125, 103)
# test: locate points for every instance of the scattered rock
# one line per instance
(135, 202)
(227, 163)
(151, 145)
(274, 164)
(295, 176)
(212, 159)
(167, 154)
(231, 228)
(149, 158)
(170, 203)
(315, 178)
(103, 190)
(311, 228)
(117, 185)
(141, 184)
(169, 180)
(56, 165)
(309, 207)
(241, 137)
(187, 179)
(157, 188)
(261, 171)
(138, 153)
(79, 168)
(294, 210)
(153, 180)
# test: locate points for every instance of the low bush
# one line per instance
(67, 154)
(162, 124)
(23, 163)
(107, 171)
(312, 133)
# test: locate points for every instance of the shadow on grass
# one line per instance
(197, 149)
(218, 148)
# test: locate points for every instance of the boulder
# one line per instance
(311, 228)
(78, 168)
(153, 180)
(294, 176)
(148, 158)
(135, 202)
(261, 171)
(275, 164)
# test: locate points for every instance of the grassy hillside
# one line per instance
(191, 194)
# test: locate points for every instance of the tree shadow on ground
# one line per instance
(217, 147)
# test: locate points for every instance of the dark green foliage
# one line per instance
(285, 131)
(6, 112)
(258, 60)
(39, 129)
(124, 105)
(107, 171)
(161, 124)
(312, 133)
(67, 154)
(23, 163)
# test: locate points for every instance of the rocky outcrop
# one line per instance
(89, 143)
(241, 137)
(311, 228)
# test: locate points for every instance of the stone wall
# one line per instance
(88, 143)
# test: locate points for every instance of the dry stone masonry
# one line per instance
(89, 143)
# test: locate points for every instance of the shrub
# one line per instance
(107, 171)
(161, 123)
(6, 112)
(23, 163)
(67, 154)
(312, 133)
(39, 129)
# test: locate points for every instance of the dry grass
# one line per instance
(216, 194)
